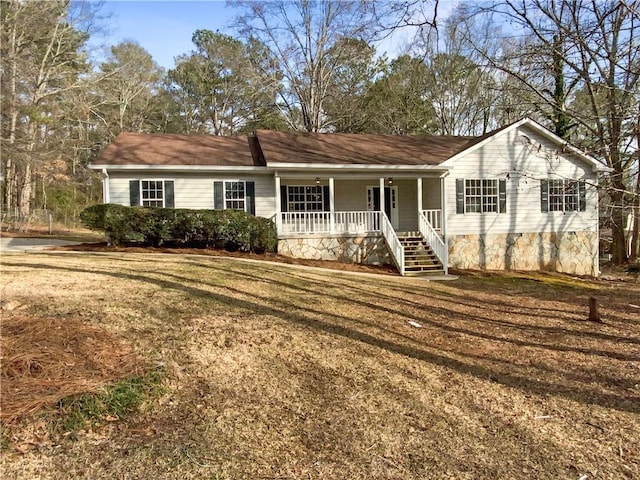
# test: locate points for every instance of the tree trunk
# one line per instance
(26, 187)
(618, 246)
(635, 228)
(10, 185)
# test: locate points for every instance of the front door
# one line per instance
(390, 202)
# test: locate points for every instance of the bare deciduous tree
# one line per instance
(563, 50)
(302, 36)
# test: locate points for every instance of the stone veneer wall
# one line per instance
(568, 252)
(370, 250)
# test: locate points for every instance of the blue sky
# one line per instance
(164, 28)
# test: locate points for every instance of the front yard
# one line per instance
(278, 372)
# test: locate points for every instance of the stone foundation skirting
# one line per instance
(568, 252)
(371, 250)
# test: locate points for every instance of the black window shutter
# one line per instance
(134, 193)
(283, 198)
(459, 195)
(502, 195)
(250, 193)
(544, 195)
(218, 195)
(168, 194)
(582, 192)
(325, 197)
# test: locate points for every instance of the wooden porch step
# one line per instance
(424, 266)
(418, 256)
(422, 263)
(423, 273)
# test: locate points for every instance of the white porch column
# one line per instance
(106, 194)
(382, 194)
(443, 207)
(419, 182)
(443, 220)
(278, 203)
(332, 205)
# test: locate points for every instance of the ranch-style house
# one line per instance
(517, 198)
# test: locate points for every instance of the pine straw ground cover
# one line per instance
(47, 359)
(274, 371)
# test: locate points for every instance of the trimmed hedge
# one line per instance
(229, 229)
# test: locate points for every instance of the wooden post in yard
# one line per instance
(594, 316)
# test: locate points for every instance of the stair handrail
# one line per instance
(395, 247)
(437, 244)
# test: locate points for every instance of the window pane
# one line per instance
(152, 193)
(489, 195)
(563, 196)
(556, 195)
(570, 196)
(234, 194)
(305, 198)
(472, 194)
(481, 195)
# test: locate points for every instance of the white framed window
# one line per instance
(235, 195)
(480, 195)
(563, 195)
(305, 198)
(152, 193)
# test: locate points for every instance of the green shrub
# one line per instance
(235, 230)
(211, 230)
(93, 217)
(263, 236)
(187, 228)
(229, 229)
(120, 224)
(154, 225)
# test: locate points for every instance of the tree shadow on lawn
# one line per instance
(587, 392)
(574, 310)
(470, 318)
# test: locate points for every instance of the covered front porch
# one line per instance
(370, 209)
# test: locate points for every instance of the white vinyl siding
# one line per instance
(195, 190)
(522, 162)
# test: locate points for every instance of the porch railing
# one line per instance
(434, 217)
(437, 243)
(329, 222)
(395, 247)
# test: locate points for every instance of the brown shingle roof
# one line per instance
(363, 149)
(283, 147)
(172, 149)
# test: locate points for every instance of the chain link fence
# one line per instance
(18, 222)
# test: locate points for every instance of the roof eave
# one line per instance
(287, 166)
(185, 168)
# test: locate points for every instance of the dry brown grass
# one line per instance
(280, 372)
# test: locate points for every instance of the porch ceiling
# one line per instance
(310, 174)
